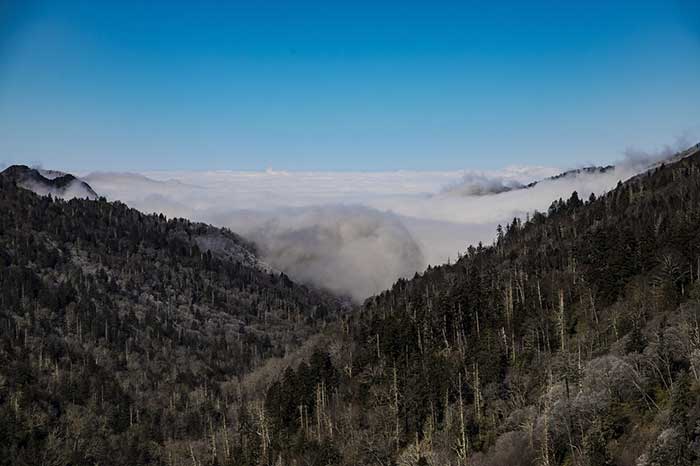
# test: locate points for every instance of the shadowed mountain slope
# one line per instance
(121, 332)
(572, 340)
(51, 182)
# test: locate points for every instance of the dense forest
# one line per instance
(122, 339)
(573, 339)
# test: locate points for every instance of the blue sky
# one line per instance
(344, 86)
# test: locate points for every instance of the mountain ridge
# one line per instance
(55, 183)
(572, 339)
(125, 323)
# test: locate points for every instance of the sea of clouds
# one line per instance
(356, 233)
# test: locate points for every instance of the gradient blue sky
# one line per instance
(344, 86)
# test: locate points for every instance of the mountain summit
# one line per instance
(58, 184)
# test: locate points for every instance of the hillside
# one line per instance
(121, 333)
(574, 339)
(45, 182)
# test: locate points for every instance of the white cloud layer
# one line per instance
(357, 232)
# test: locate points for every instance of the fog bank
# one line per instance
(355, 233)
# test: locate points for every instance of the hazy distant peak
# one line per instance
(51, 174)
(640, 163)
(592, 170)
(692, 150)
(45, 182)
(482, 185)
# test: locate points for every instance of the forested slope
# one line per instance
(572, 340)
(122, 339)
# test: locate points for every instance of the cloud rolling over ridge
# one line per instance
(355, 233)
